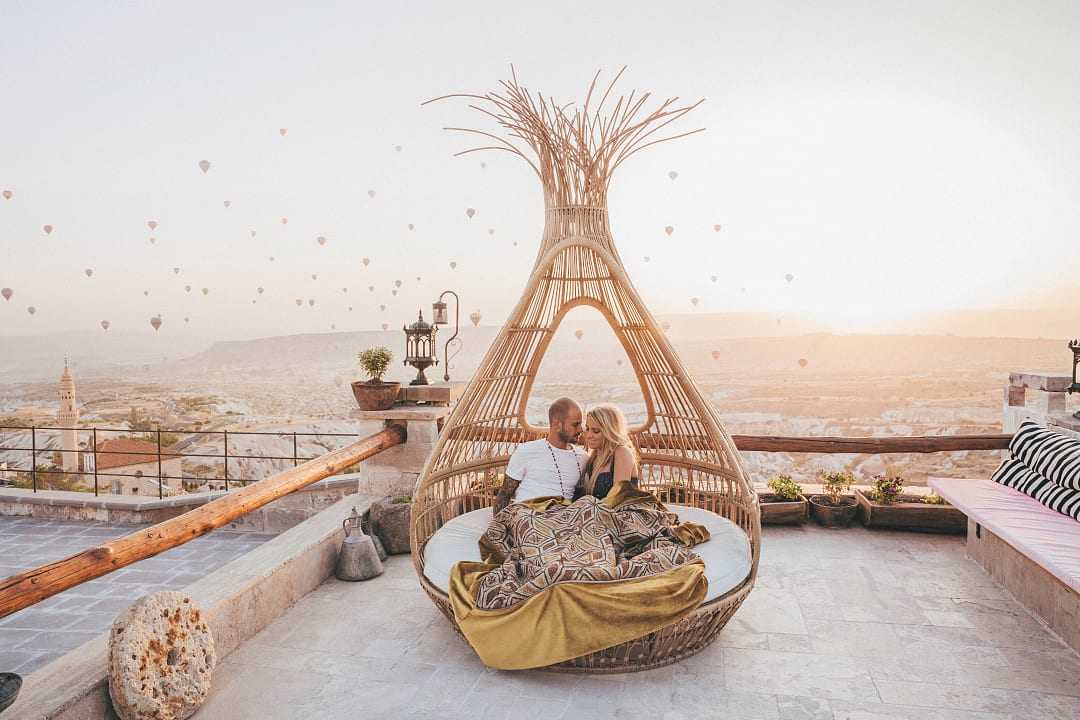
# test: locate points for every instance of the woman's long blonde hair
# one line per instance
(612, 424)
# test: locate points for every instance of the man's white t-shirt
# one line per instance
(532, 465)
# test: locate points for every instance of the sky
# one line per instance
(894, 158)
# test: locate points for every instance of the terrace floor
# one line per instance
(842, 624)
(43, 632)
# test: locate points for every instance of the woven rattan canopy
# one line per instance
(686, 455)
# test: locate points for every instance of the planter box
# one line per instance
(834, 515)
(775, 511)
(908, 513)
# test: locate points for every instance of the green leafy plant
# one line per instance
(836, 484)
(933, 499)
(402, 499)
(375, 362)
(785, 487)
(887, 488)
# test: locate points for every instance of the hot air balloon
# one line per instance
(314, 276)
(715, 354)
(282, 131)
(105, 325)
(7, 293)
(176, 271)
(252, 233)
(579, 334)
(646, 258)
(47, 229)
(153, 241)
(259, 290)
(716, 228)
(491, 231)
(789, 277)
(619, 361)
(695, 301)
(284, 221)
(371, 193)
(394, 292)
(253, 302)
(483, 165)
(146, 293)
(672, 174)
(385, 325)
(206, 291)
(397, 148)
(204, 165)
(365, 261)
(187, 288)
(350, 308)
(397, 283)
(371, 288)
(453, 264)
(155, 322)
(669, 229)
(8, 194)
(227, 203)
(321, 240)
(311, 302)
(382, 307)
(344, 289)
(89, 272)
(271, 258)
(299, 302)
(152, 224)
(31, 309)
(802, 362)
(470, 212)
(713, 278)
(332, 326)
(411, 226)
(417, 278)
(475, 317)
(186, 319)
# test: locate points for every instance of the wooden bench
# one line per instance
(1030, 549)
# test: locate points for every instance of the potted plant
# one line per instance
(786, 504)
(374, 394)
(886, 505)
(834, 508)
(389, 519)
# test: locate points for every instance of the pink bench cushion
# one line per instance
(1046, 536)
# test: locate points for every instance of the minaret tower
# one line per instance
(68, 417)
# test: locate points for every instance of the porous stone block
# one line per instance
(1050, 382)
(161, 658)
(1014, 396)
(390, 521)
(1041, 401)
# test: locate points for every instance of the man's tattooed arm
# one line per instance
(506, 494)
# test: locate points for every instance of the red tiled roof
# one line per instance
(120, 452)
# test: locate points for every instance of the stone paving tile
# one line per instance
(842, 625)
(39, 634)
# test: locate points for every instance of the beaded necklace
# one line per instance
(577, 460)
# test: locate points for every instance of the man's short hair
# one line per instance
(559, 409)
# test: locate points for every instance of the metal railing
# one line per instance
(160, 454)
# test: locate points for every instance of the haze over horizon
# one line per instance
(909, 164)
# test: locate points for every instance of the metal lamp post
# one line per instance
(1075, 387)
(420, 348)
(440, 318)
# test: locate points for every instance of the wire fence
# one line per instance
(147, 461)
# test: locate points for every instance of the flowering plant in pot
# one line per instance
(886, 505)
(374, 394)
(834, 508)
(785, 505)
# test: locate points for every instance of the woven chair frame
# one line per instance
(686, 455)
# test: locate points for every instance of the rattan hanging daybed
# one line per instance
(687, 458)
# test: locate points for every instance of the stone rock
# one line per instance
(358, 559)
(390, 521)
(161, 658)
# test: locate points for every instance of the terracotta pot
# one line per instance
(375, 396)
(908, 512)
(775, 510)
(833, 515)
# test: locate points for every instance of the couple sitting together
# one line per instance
(556, 467)
(576, 558)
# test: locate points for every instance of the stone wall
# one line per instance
(1041, 398)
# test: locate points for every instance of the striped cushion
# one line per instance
(1018, 476)
(1058, 497)
(1053, 455)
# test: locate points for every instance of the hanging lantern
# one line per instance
(420, 347)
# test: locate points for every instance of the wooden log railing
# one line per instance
(779, 443)
(25, 589)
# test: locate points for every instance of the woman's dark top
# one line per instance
(604, 482)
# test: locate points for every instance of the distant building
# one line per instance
(129, 466)
(68, 418)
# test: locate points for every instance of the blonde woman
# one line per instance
(612, 457)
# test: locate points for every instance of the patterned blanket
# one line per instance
(543, 543)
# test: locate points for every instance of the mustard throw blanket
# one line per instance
(561, 580)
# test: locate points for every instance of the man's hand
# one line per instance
(506, 493)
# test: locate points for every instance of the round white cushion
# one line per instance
(726, 554)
